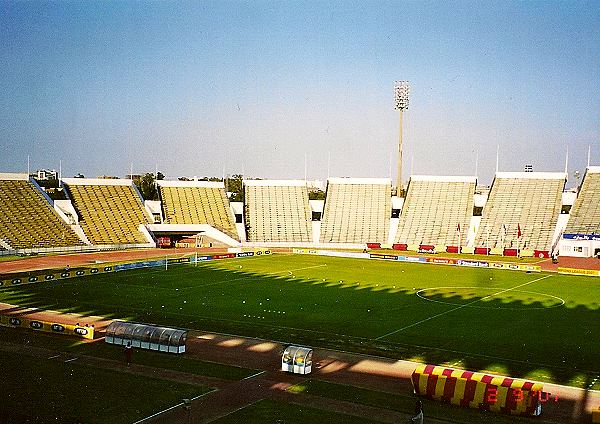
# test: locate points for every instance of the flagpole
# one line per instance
(518, 240)
(497, 157)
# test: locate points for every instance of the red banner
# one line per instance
(224, 256)
(482, 250)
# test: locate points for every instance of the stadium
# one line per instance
(450, 273)
(435, 296)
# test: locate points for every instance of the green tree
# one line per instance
(316, 195)
(234, 185)
(147, 185)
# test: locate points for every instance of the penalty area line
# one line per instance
(459, 307)
(248, 277)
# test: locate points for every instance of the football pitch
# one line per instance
(534, 325)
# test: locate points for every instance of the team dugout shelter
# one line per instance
(479, 390)
(144, 336)
(297, 360)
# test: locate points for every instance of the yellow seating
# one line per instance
(109, 214)
(197, 204)
(28, 221)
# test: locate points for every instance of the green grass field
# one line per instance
(536, 325)
(180, 363)
(403, 403)
(41, 391)
(268, 411)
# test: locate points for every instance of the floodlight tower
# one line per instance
(401, 92)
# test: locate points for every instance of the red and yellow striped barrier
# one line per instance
(478, 390)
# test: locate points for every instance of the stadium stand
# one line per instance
(277, 211)
(27, 219)
(357, 210)
(197, 202)
(529, 201)
(585, 214)
(434, 208)
(110, 211)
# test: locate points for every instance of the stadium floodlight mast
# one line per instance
(401, 93)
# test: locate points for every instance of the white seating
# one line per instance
(585, 214)
(277, 211)
(356, 211)
(434, 208)
(531, 201)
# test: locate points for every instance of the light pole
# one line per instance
(401, 92)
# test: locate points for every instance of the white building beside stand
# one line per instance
(581, 236)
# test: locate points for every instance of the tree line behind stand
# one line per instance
(146, 184)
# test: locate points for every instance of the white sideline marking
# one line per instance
(253, 375)
(460, 307)
(55, 356)
(235, 410)
(72, 359)
(143, 420)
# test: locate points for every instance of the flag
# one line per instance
(519, 234)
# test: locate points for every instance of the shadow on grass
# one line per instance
(477, 324)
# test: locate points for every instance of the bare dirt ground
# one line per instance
(79, 259)
(569, 262)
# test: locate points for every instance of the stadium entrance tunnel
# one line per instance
(483, 297)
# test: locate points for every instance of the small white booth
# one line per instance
(297, 360)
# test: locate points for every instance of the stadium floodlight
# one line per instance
(401, 94)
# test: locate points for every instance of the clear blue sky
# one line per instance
(195, 88)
